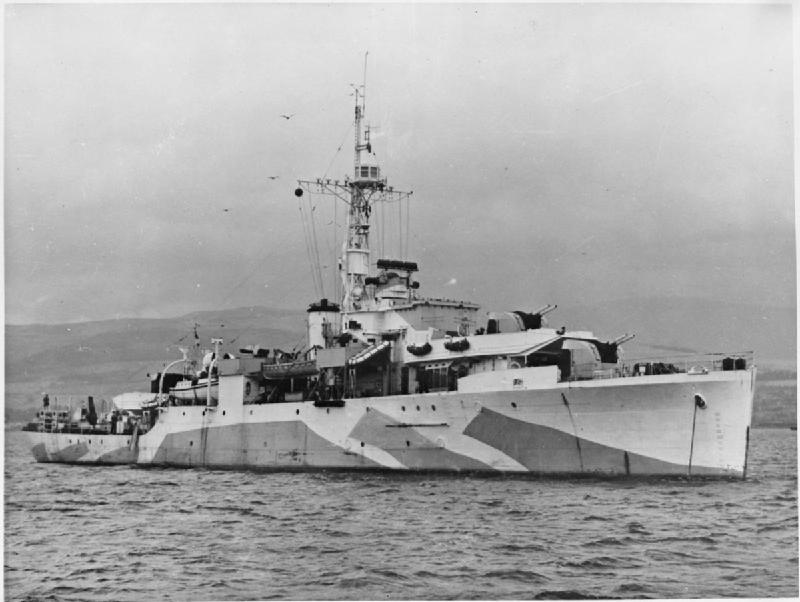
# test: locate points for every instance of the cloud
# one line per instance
(129, 127)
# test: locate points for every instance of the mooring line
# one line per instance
(574, 430)
(691, 443)
(746, 451)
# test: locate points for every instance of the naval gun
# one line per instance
(517, 321)
(609, 350)
(534, 319)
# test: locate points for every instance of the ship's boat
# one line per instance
(282, 371)
(393, 380)
(134, 401)
(195, 391)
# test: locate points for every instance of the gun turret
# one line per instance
(609, 350)
(522, 320)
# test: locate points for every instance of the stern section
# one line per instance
(76, 448)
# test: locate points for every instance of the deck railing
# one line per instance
(55, 421)
(664, 364)
(60, 417)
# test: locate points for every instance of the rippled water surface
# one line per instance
(123, 533)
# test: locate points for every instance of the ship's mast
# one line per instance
(355, 252)
(366, 188)
(361, 105)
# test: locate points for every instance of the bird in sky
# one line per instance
(226, 210)
(287, 117)
(273, 177)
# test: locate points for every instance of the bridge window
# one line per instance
(436, 377)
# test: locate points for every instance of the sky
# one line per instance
(558, 153)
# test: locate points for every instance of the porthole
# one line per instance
(297, 412)
(433, 408)
(513, 405)
(90, 441)
(251, 412)
(191, 443)
(367, 409)
(327, 410)
(70, 440)
(408, 443)
(362, 444)
(403, 408)
(129, 441)
(417, 408)
(184, 413)
(223, 412)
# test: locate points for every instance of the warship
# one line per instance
(394, 380)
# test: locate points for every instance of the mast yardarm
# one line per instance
(360, 193)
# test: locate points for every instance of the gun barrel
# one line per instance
(623, 339)
(545, 309)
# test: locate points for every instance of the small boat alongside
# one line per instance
(68, 434)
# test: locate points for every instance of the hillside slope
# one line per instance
(107, 357)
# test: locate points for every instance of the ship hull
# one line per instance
(82, 448)
(643, 426)
(616, 427)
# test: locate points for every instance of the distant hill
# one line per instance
(107, 357)
(104, 358)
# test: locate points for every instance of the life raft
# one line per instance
(419, 349)
(457, 345)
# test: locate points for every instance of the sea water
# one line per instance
(127, 533)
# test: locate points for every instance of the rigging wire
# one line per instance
(307, 241)
(330, 251)
(408, 223)
(310, 234)
(315, 247)
(341, 145)
(315, 240)
(335, 253)
(311, 240)
(400, 227)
